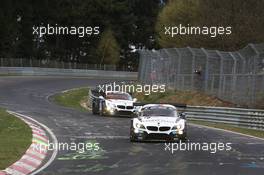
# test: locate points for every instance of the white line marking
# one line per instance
(98, 137)
(233, 132)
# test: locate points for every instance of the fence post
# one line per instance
(234, 75)
(212, 84)
(148, 70)
(206, 70)
(145, 66)
(178, 68)
(2, 62)
(244, 63)
(262, 83)
(12, 62)
(21, 62)
(254, 72)
(220, 86)
(193, 67)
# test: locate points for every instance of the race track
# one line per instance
(29, 96)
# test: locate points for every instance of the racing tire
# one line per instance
(101, 109)
(183, 138)
(132, 137)
(94, 111)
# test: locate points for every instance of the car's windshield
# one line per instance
(118, 96)
(159, 112)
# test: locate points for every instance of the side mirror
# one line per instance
(134, 100)
(182, 115)
(101, 97)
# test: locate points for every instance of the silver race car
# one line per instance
(158, 122)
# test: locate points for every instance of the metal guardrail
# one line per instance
(29, 71)
(247, 118)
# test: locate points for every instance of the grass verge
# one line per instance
(15, 138)
(72, 98)
(251, 132)
(183, 97)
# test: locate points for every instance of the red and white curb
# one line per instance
(35, 154)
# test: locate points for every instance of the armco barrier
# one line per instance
(247, 118)
(29, 71)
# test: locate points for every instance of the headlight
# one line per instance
(141, 126)
(110, 105)
(179, 126)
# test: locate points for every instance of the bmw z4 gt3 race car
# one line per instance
(113, 103)
(158, 122)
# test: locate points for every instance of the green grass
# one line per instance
(72, 98)
(183, 97)
(251, 132)
(15, 138)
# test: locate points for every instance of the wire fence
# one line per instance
(234, 76)
(23, 62)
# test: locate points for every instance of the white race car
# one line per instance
(114, 103)
(158, 122)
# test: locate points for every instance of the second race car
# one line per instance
(113, 103)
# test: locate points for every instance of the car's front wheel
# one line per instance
(101, 108)
(183, 137)
(132, 135)
(94, 110)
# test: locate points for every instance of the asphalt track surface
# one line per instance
(29, 96)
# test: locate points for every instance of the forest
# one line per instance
(125, 26)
